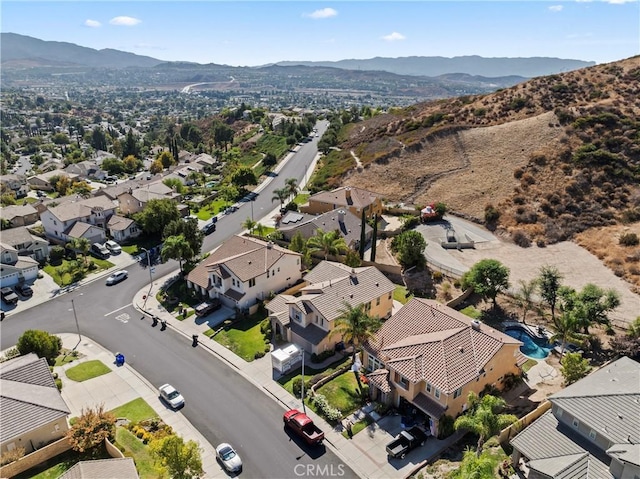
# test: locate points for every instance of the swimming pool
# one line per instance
(532, 347)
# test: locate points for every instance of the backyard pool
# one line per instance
(535, 348)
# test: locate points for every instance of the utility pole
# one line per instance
(75, 316)
(304, 409)
(150, 276)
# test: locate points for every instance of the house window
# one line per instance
(278, 269)
(404, 382)
(267, 273)
(233, 281)
(252, 282)
(273, 272)
(576, 423)
(297, 316)
(390, 295)
(457, 393)
(592, 434)
(55, 222)
(437, 393)
(429, 387)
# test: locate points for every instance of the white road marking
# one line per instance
(124, 317)
(116, 310)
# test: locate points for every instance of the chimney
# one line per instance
(347, 194)
(269, 244)
(341, 216)
(475, 324)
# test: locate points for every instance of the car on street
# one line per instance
(171, 395)
(113, 247)
(24, 289)
(230, 209)
(209, 228)
(229, 458)
(8, 296)
(116, 277)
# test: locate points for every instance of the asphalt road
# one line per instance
(220, 403)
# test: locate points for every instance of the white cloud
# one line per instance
(620, 2)
(556, 8)
(322, 13)
(124, 21)
(393, 37)
(92, 23)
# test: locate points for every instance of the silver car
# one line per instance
(171, 395)
(117, 277)
(229, 457)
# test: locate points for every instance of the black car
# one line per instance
(209, 228)
(24, 290)
(8, 296)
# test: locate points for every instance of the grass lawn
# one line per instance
(135, 411)
(66, 356)
(67, 278)
(178, 295)
(244, 338)
(400, 294)
(213, 208)
(359, 426)
(135, 448)
(472, 312)
(58, 465)
(135, 245)
(287, 381)
(342, 392)
(529, 364)
(301, 199)
(87, 370)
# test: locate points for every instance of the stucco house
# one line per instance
(17, 184)
(83, 218)
(25, 243)
(19, 215)
(308, 319)
(356, 200)
(243, 271)
(343, 221)
(430, 357)
(32, 411)
(86, 170)
(591, 431)
(136, 200)
(121, 228)
(15, 269)
(43, 181)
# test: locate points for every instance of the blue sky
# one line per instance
(244, 33)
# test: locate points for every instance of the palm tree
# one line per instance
(524, 298)
(281, 195)
(83, 245)
(249, 224)
(291, 185)
(330, 243)
(484, 418)
(260, 229)
(355, 325)
(176, 247)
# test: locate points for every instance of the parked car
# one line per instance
(113, 247)
(8, 296)
(209, 228)
(171, 395)
(99, 251)
(230, 209)
(208, 307)
(24, 289)
(303, 426)
(229, 458)
(117, 277)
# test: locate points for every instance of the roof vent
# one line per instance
(475, 324)
(461, 349)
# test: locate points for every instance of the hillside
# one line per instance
(553, 157)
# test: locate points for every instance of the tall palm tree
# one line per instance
(524, 297)
(83, 245)
(291, 185)
(484, 418)
(566, 325)
(355, 325)
(281, 195)
(176, 247)
(249, 224)
(329, 243)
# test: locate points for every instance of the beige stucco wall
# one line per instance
(128, 204)
(38, 437)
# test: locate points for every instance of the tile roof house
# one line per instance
(353, 199)
(86, 170)
(307, 319)
(345, 222)
(86, 218)
(15, 269)
(32, 411)
(26, 243)
(43, 181)
(15, 183)
(243, 271)
(135, 200)
(121, 228)
(591, 431)
(431, 356)
(19, 215)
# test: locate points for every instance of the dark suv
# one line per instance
(209, 228)
(208, 307)
(8, 296)
(24, 289)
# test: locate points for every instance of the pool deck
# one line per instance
(534, 331)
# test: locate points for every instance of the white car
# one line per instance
(113, 247)
(229, 457)
(117, 277)
(171, 395)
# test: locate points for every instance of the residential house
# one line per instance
(32, 411)
(207, 161)
(308, 319)
(122, 229)
(120, 467)
(43, 181)
(86, 170)
(356, 200)
(343, 221)
(15, 269)
(591, 431)
(83, 218)
(136, 200)
(19, 215)
(429, 357)
(17, 184)
(25, 243)
(243, 271)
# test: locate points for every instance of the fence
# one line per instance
(510, 431)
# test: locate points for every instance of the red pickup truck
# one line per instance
(303, 426)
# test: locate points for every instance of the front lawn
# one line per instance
(211, 209)
(301, 199)
(87, 370)
(359, 426)
(135, 411)
(134, 447)
(178, 295)
(245, 337)
(288, 380)
(66, 356)
(70, 271)
(342, 393)
(134, 246)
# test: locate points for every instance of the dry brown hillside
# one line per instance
(550, 158)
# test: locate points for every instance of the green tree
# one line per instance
(181, 460)
(91, 428)
(113, 166)
(130, 146)
(269, 159)
(42, 343)
(291, 185)
(178, 248)
(244, 176)
(484, 418)
(409, 246)
(524, 296)
(79, 245)
(249, 224)
(175, 184)
(157, 215)
(281, 195)
(352, 259)
(475, 467)
(156, 167)
(131, 164)
(166, 158)
(566, 324)
(549, 283)
(189, 229)
(634, 328)
(574, 367)
(260, 229)
(593, 305)
(488, 278)
(298, 243)
(329, 243)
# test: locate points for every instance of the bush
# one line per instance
(56, 255)
(491, 214)
(445, 426)
(409, 222)
(11, 456)
(521, 239)
(318, 358)
(331, 413)
(265, 327)
(437, 276)
(628, 239)
(59, 384)
(258, 355)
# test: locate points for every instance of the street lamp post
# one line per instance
(150, 276)
(75, 316)
(252, 200)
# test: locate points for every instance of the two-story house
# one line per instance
(344, 222)
(591, 431)
(136, 200)
(243, 271)
(308, 319)
(25, 243)
(430, 356)
(83, 218)
(19, 215)
(351, 198)
(43, 180)
(15, 269)
(17, 184)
